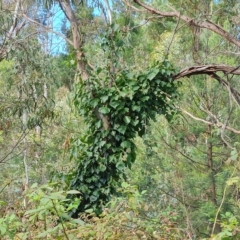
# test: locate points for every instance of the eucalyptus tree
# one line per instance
(25, 102)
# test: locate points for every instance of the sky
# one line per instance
(57, 44)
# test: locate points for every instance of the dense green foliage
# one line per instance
(127, 101)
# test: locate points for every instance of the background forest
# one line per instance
(119, 119)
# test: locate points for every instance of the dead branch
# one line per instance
(207, 69)
(217, 124)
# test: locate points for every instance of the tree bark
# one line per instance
(77, 39)
(77, 45)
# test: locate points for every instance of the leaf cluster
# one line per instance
(115, 114)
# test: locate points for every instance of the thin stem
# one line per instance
(221, 204)
(60, 219)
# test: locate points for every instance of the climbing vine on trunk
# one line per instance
(116, 106)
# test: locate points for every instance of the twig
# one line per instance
(61, 221)
(221, 204)
(227, 119)
(19, 140)
(49, 29)
(218, 124)
(174, 33)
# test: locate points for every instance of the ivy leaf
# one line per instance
(94, 102)
(127, 119)
(98, 124)
(101, 143)
(136, 108)
(114, 104)
(135, 123)
(102, 168)
(145, 98)
(104, 98)
(152, 74)
(130, 75)
(126, 144)
(120, 166)
(122, 129)
(123, 94)
(104, 110)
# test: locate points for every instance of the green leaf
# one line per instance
(73, 192)
(123, 94)
(127, 119)
(126, 144)
(120, 166)
(56, 196)
(35, 210)
(99, 124)
(104, 99)
(93, 198)
(3, 229)
(2, 203)
(104, 110)
(101, 143)
(125, 185)
(130, 75)
(34, 185)
(232, 181)
(78, 221)
(135, 123)
(114, 104)
(152, 74)
(145, 98)
(94, 102)
(107, 235)
(136, 108)
(99, 70)
(122, 129)
(234, 155)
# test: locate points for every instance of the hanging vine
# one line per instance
(116, 106)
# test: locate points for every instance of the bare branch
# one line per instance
(217, 124)
(207, 69)
(47, 29)
(211, 71)
(14, 147)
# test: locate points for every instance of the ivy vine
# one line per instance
(116, 107)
